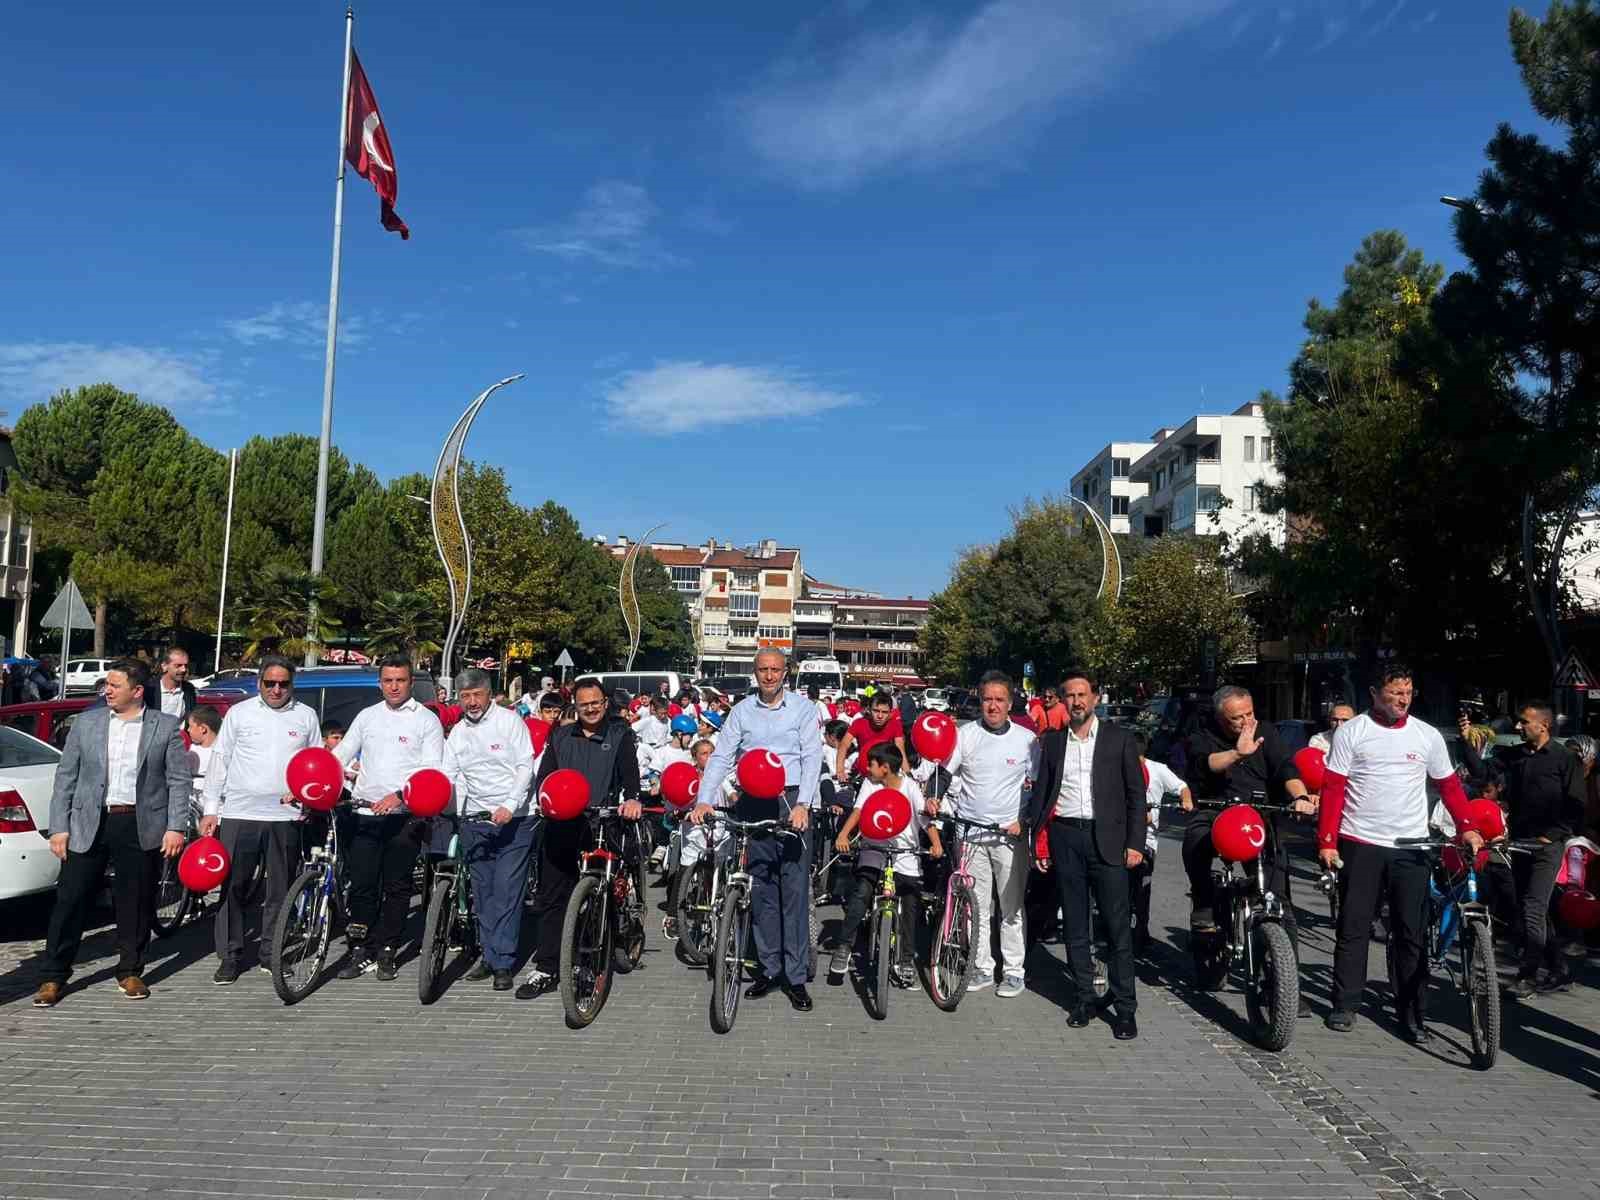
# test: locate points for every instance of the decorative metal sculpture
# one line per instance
(450, 535)
(628, 595)
(1110, 559)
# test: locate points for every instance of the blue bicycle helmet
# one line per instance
(683, 723)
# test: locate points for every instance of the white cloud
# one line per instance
(680, 397)
(610, 227)
(930, 93)
(34, 371)
(304, 323)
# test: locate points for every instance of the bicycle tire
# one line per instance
(586, 918)
(881, 954)
(174, 902)
(633, 921)
(1483, 994)
(1272, 997)
(691, 905)
(813, 930)
(305, 924)
(1210, 954)
(435, 939)
(950, 958)
(727, 969)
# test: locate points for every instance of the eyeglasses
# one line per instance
(591, 704)
(275, 685)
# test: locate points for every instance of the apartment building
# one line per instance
(877, 638)
(1104, 483)
(1189, 470)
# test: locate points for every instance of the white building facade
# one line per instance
(1204, 477)
(1104, 483)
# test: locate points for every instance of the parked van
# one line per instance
(639, 683)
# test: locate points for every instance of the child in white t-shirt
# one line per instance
(883, 774)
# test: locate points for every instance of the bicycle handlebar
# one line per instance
(766, 826)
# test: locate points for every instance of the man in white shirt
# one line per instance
(1338, 714)
(994, 763)
(243, 805)
(1374, 795)
(1160, 782)
(489, 758)
(394, 739)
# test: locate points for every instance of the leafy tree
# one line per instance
(1532, 238)
(404, 623)
(274, 613)
(1175, 599)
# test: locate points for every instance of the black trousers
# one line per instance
(1370, 873)
(559, 847)
(1139, 885)
(1079, 867)
(863, 890)
(1199, 854)
(381, 857)
(275, 843)
(1535, 876)
(133, 896)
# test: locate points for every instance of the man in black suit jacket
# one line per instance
(170, 691)
(1089, 802)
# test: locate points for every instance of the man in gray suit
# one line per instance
(121, 796)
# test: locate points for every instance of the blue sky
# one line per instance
(857, 276)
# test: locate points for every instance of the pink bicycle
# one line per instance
(953, 917)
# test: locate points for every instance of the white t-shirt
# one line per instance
(1163, 783)
(1388, 768)
(908, 841)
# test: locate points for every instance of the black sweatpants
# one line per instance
(277, 844)
(864, 890)
(559, 847)
(133, 896)
(381, 857)
(1535, 875)
(1370, 873)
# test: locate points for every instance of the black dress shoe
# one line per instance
(1417, 1034)
(481, 970)
(1080, 1015)
(1125, 1029)
(504, 981)
(759, 988)
(800, 998)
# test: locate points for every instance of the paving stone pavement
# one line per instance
(361, 1092)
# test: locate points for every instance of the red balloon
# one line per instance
(761, 774)
(1484, 818)
(427, 792)
(885, 815)
(680, 784)
(538, 733)
(1313, 767)
(315, 777)
(203, 865)
(934, 736)
(1579, 910)
(1238, 833)
(564, 794)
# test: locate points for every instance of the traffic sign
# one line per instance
(565, 660)
(68, 610)
(1575, 673)
(1027, 669)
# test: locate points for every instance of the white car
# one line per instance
(27, 775)
(936, 700)
(83, 673)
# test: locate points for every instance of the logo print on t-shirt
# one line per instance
(404, 740)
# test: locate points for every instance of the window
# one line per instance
(1190, 453)
(743, 604)
(774, 631)
(686, 579)
(745, 580)
(740, 630)
(1249, 495)
(1266, 449)
(1249, 449)
(714, 629)
(1119, 506)
(1161, 478)
(1209, 499)
(1119, 468)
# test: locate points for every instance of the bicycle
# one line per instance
(176, 904)
(603, 931)
(883, 937)
(953, 917)
(1455, 919)
(697, 897)
(1253, 939)
(728, 959)
(451, 919)
(313, 905)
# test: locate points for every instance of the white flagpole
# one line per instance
(227, 539)
(321, 518)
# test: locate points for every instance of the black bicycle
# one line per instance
(1252, 939)
(730, 952)
(602, 934)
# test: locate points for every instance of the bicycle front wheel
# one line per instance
(1483, 993)
(692, 905)
(727, 971)
(950, 957)
(173, 901)
(586, 944)
(435, 938)
(881, 955)
(1272, 995)
(300, 940)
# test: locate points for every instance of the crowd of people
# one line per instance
(1066, 798)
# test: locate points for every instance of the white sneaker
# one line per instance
(979, 980)
(1010, 986)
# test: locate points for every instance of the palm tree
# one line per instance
(404, 623)
(275, 612)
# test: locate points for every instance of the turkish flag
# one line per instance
(367, 149)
